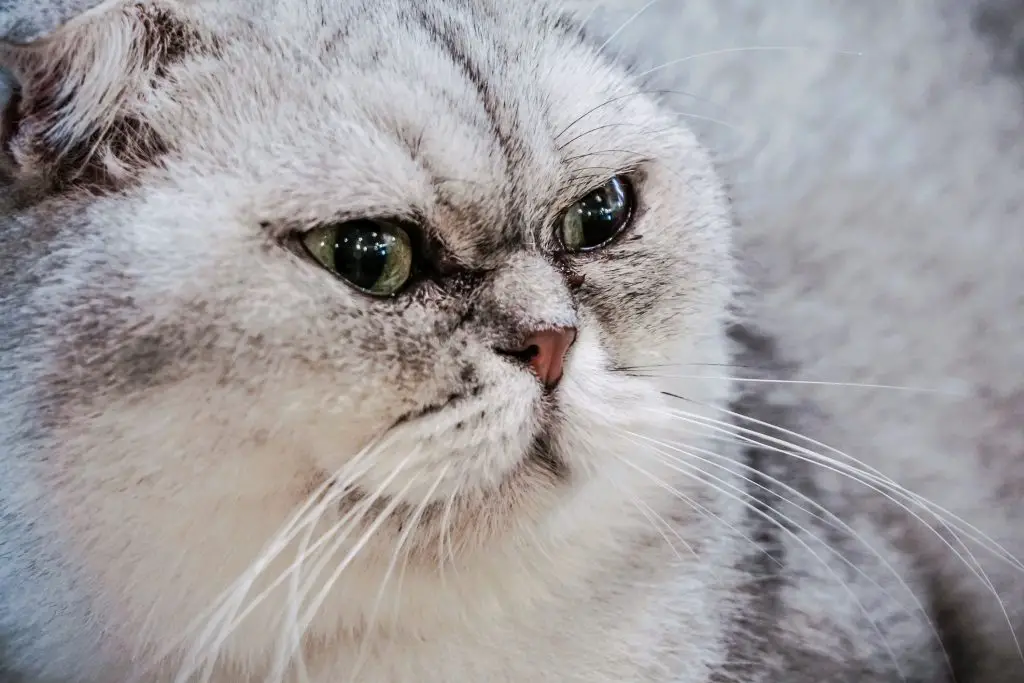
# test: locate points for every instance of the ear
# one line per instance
(79, 109)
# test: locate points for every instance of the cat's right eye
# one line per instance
(374, 256)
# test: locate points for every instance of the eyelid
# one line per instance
(634, 176)
(281, 228)
(581, 185)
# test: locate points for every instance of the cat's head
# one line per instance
(417, 247)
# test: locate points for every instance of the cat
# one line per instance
(330, 349)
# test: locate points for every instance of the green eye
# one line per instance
(373, 256)
(597, 218)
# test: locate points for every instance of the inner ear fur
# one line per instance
(76, 113)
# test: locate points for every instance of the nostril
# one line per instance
(524, 355)
(543, 352)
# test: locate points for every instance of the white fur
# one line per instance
(160, 500)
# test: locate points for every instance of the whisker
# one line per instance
(626, 24)
(403, 540)
(699, 508)
(228, 614)
(751, 48)
(292, 614)
(597, 129)
(973, 565)
(655, 366)
(870, 483)
(636, 93)
(233, 619)
(862, 476)
(769, 380)
(295, 570)
(653, 132)
(538, 544)
(445, 533)
(351, 520)
(584, 155)
(874, 481)
(711, 119)
(829, 518)
(694, 474)
(877, 475)
(581, 33)
(606, 170)
(354, 552)
(340, 530)
(338, 538)
(417, 517)
(865, 469)
(657, 522)
(236, 591)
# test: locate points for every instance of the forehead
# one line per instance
(490, 115)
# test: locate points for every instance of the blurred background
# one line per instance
(875, 150)
(876, 155)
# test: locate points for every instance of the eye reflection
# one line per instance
(598, 217)
(373, 256)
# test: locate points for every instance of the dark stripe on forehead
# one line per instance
(446, 36)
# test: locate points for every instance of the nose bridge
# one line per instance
(531, 316)
(529, 294)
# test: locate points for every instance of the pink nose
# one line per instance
(544, 351)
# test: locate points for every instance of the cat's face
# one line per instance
(204, 353)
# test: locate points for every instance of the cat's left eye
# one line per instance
(597, 218)
(374, 256)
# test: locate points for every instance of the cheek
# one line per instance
(379, 357)
(636, 299)
(656, 294)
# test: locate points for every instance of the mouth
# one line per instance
(540, 458)
(541, 454)
(435, 408)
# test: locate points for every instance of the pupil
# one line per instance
(361, 254)
(601, 213)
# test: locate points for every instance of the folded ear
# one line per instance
(80, 110)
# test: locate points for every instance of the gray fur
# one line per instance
(178, 376)
(1002, 23)
(23, 21)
